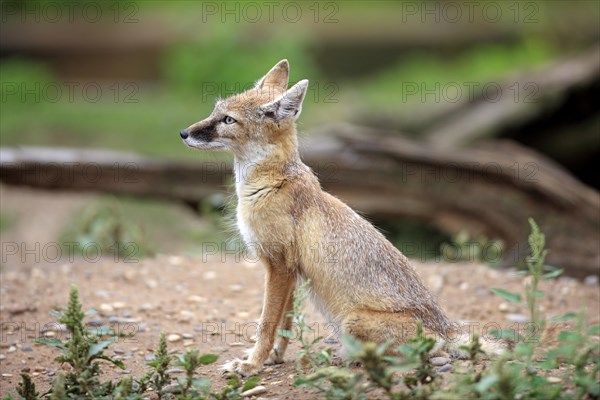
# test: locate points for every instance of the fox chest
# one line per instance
(262, 228)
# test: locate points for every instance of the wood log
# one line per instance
(517, 100)
(490, 189)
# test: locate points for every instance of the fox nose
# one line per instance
(184, 134)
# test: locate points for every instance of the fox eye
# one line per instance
(229, 120)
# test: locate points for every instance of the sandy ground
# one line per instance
(210, 303)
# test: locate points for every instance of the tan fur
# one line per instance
(359, 280)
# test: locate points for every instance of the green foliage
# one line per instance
(521, 373)
(58, 391)
(193, 388)
(309, 357)
(103, 228)
(537, 271)
(26, 388)
(207, 68)
(159, 378)
(81, 351)
(477, 65)
(466, 248)
(567, 370)
(414, 238)
(6, 221)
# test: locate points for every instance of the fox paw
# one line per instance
(244, 368)
(274, 358)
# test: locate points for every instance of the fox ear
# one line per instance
(288, 105)
(277, 77)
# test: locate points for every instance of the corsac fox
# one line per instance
(370, 290)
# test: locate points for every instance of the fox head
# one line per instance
(256, 121)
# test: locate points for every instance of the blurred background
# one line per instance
(516, 80)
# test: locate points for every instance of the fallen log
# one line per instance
(490, 189)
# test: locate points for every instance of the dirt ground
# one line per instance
(210, 303)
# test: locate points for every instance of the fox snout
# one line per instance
(199, 134)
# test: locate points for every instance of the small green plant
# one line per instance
(81, 351)
(159, 378)
(193, 388)
(536, 271)
(58, 391)
(417, 352)
(26, 388)
(308, 357)
(567, 370)
(525, 372)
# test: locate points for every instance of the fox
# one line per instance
(368, 288)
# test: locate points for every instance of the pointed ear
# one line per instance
(288, 105)
(277, 77)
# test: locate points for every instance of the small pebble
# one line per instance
(553, 379)
(445, 368)
(436, 282)
(187, 335)
(503, 307)
(236, 288)
(117, 305)
(106, 308)
(518, 318)
(172, 388)
(175, 371)
(11, 349)
(254, 391)
(26, 348)
(95, 322)
(174, 337)
(464, 286)
(147, 307)
(55, 328)
(185, 315)
(122, 320)
(152, 284)
(237, 344)
(104, 294)
(2, 357)
(209, 275)
(7, 375)
(130, 275)
(439, 361)
(196, 299)
(149, 357)
(591, 280)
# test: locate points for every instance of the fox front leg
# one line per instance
(278, 289)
